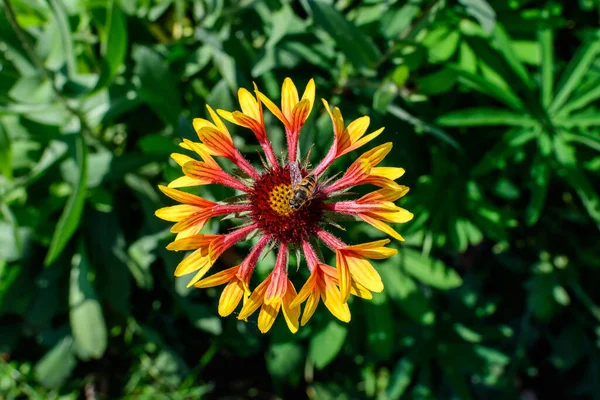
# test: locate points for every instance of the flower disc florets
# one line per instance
(269, 198)
(284, 205)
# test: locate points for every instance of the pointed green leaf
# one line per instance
(590, 140)
(85, 311)
(582, 120)
(71, 216)
(540, 173)
(400, 379)
(482, 116)
(586, 191)
(113, 43)
(429, 271)
(545, 38)
(357, 46)
(574, 73)
(589, 93)
(62, 20)
(158, 86)
(404, 115)
(476, 82)
(57, 364)
(504, 44)
(495, 158)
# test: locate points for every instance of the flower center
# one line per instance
(271, 210)
(280, 199)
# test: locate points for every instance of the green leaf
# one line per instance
(438, 82)
(57, 364)
(586, 191)
(495, 158)
(540, 173)
(356, 46)
(327, 343)
(395, 21)
(65, 30)
(403, 290)
(52, 153)
(404, 115)
(482, 116)
(400, 379)
(505, 95)
(590, 140)
(504, 44)
(545, 38)
(85, 311)
(441, 43)
(588, 94)
(284, 361)
(564, 152)
(429, 271)
(582, 120)
(113, 43)
(71, 216)
(576, 70)
(5, 153)
(482, 12)
(159, 88)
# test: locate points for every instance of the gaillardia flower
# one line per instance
(286, 206)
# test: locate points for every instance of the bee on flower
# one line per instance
(288, 206)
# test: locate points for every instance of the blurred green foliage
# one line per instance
(493, 108)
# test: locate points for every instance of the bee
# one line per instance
(303, 188)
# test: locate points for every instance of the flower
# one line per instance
(264, 207)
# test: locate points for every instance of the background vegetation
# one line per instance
(493, 111)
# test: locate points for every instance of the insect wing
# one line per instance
(295, 174)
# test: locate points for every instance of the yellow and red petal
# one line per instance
(186, 198)
(289, 98)
(272, 107)
(176, 213)
(382, 226)
(186, 181)
(299, 115)
(290, 313)
(344, 278)
(311, 306)
(230, 297)
(333, 301)
(255, 300)
(219, 124)
(220, 278)
(363, 272)
(218, 142)
(306, 290)
(249, 105)
(191, 263)
(278, 278)
(193, 242)
(266, 317)
(309, 93)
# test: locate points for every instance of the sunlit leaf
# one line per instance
(429, 271)
(357, 47)
(87, 321)
(327, 343)
(57, 364)
(71, 215)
